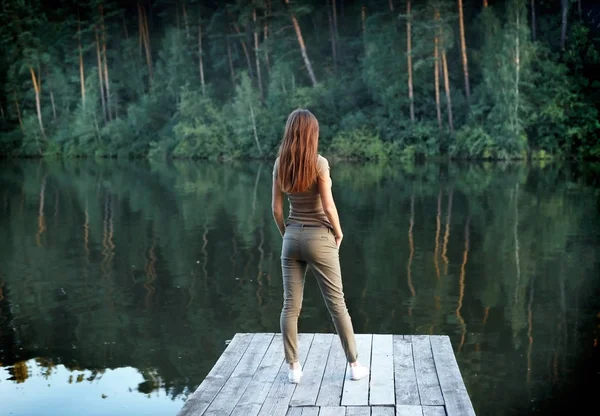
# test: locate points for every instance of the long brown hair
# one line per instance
(298, 152)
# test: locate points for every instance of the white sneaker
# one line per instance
(294, 376)
(358, 371)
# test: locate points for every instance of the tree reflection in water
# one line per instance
(152, 267)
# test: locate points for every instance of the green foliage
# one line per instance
(360, 144)
(246, 112)
(10, 142)
(472, 142)
(526, 96)
(201, 129)
(506, 69)
(33, 141)
(566, 121)
(425, 139)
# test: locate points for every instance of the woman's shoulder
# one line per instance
(322, 163)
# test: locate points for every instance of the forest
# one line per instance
(387, 79)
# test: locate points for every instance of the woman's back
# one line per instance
(306, 207)
(311, 238)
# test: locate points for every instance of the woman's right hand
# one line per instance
(338, 240)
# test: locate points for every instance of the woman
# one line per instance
(311, 237)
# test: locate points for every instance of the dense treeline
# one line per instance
(216, 79)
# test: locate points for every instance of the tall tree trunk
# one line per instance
(2, 112)
(18, 107)
(145, 38)
(485, 3)
(409, 60)
(533, 26)
(265, 44)
(52, 102)
(447, 88)
(463, 49)
(81, 69)
(185, 21)
(200, 56)
(141, 28)
(436, 71)
(100, 79)
(391, 5)
(147, 42)
(245, 49)
(231, 69)
(256, 56)
(332, 36)
(38, 106)
(311, 74)
(517, 72)
(363, 16)
(254, 129)
(105, 63)
(441, 40)
(53, 105)
(335, 22)
(564, 16)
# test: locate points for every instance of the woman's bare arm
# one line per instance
(329, 204)
(277, 206)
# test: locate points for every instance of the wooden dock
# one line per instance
(410, 376)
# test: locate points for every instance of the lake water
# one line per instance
(121, 281)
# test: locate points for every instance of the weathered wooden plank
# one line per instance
(256, 392)
(235, 386)
(310, 411)
(434, 411)
(358, 411)
(199, 401)
(456, 397)
(303, 411)
(294, 411)
(408, 410)
(330, 393)
(404, 372)
(312, 372)
(246, 409)
(280, 394)
(332, 410)
(356, 392)
(382, 371)
(427, 380)
(382, 411)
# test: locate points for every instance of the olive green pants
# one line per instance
(315, 247)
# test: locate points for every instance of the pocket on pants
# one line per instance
(290, 247)
(325, 240)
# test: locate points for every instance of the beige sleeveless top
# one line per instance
(306, 207)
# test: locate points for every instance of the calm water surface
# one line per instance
(120, 282)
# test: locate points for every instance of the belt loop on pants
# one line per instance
(303, 226)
